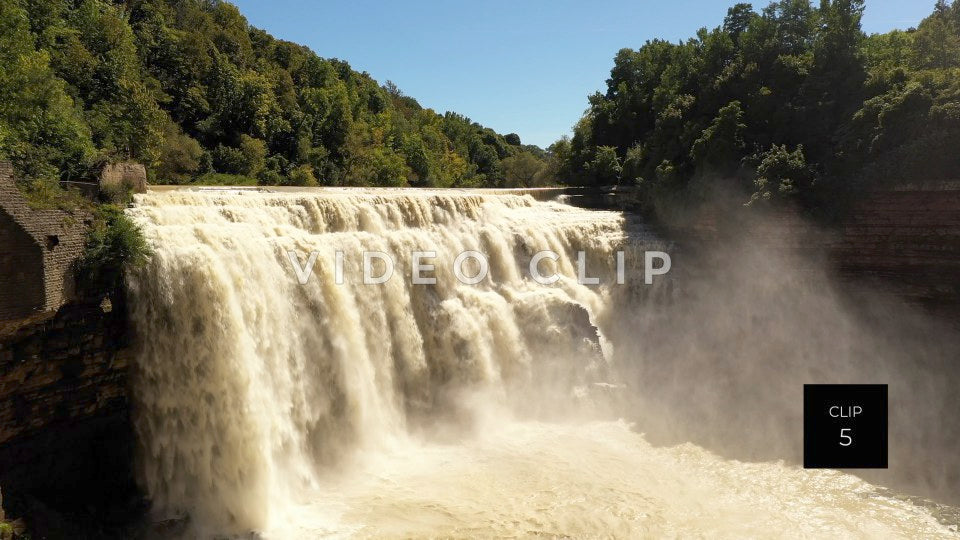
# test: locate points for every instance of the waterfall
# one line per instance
(248, 379)
(265, 404)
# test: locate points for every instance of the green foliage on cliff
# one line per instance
(114, 244)
(191, 90)
(791, 103)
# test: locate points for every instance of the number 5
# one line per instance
(843, 435)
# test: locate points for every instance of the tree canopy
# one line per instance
(194, 92)
(792, 102)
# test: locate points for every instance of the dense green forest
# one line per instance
(190, 89)
(793, 102)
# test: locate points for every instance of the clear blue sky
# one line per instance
(522, 66)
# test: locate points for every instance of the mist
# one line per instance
(757, 310)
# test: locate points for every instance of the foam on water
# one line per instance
(402, 410)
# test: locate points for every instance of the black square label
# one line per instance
(845, 426)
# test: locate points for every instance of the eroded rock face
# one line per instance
(65, 435)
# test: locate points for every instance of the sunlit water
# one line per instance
(588, 480)
(400, 410)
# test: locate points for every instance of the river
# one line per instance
(330, 407)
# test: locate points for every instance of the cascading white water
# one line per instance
(399, 409)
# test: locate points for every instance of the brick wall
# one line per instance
(21, 290)
(905, 241)
(908, 239)
(43, 244)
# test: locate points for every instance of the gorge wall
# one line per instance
(903, 241)
(906, 241)
(65, 438)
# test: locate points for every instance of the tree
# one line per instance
(557, 168)
(521, 169)
(40, 130)
(254, 155)
(795, 98)
(937, 43)
(180, 157)
(738, 20)
(605, 168)
(782, 174)
(302, 176)
(720, 146)
(392, 89)
(187, 86)
(632, 172)
(229, 160)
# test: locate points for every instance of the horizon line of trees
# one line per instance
(791, 103)
(194, 92)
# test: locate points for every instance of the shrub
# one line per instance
(118, 194)
(269, 177)
(247, 160)
(114, 244)
(229, 160)
(782, 173)
(302, 176)
(47, 194)
(181, 157)
(605, 167)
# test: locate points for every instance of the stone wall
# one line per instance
(124, 175)
(905, 241)
(65, 434)
(908, 240)
(38, 248)
(902, 241)
(21, 290)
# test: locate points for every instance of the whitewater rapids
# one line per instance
(400, 410)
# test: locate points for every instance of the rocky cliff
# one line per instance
(65, 438)
(904, 241)
(907, 241)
